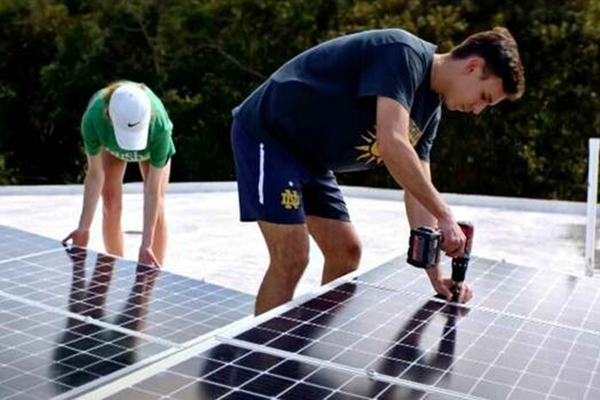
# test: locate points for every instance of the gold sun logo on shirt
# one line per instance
(369, 151)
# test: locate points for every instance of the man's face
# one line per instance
(473, 91)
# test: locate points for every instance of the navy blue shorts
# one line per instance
(274, 186)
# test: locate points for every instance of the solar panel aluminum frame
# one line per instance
(369, 374)
(113, 386)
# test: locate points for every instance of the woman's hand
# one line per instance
(79, 237)
(147, 257)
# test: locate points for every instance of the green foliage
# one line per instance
(536, 147)
(203, 57)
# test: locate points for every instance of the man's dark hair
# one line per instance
(501, 54)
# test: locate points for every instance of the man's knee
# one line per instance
(289, 268)
(345, 255)
(353, 254)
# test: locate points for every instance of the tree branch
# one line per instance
(233, 60)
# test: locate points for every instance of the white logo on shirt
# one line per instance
(129, 155)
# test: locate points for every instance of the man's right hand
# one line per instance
(454, 240)
(79, 237)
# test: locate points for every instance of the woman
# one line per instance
(126, 122)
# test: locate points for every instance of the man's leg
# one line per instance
(112, 203)
(339, 244)
(288, 247)
(270, 192)
(161, 233)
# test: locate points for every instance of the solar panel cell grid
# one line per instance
(499, 286)
(44, 354)
(15, 243)
(119, 292)
(69, 317)
(230, 372)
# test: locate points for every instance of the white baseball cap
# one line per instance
(129, 110)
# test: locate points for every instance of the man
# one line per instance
(126, 122)
(353, 103)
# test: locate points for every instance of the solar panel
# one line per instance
(71, 318)
(517, 290)
(15, 243)
(44, 354)
(120, 292)
(481, 353)
(386, 332)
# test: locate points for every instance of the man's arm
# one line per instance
(405, 167)
(93, 184)
(419, 216)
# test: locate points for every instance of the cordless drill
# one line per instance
(424, 252)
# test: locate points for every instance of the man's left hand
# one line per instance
(444, 288)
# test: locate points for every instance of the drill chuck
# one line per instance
(460, 264)
(459, 269)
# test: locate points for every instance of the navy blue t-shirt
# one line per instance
(323, 102)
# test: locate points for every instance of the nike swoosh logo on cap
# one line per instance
(132, 125)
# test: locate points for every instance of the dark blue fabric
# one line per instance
(322, 103)
(290, 190)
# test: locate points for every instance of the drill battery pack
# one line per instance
(424, 247)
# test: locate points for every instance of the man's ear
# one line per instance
(473, 63)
